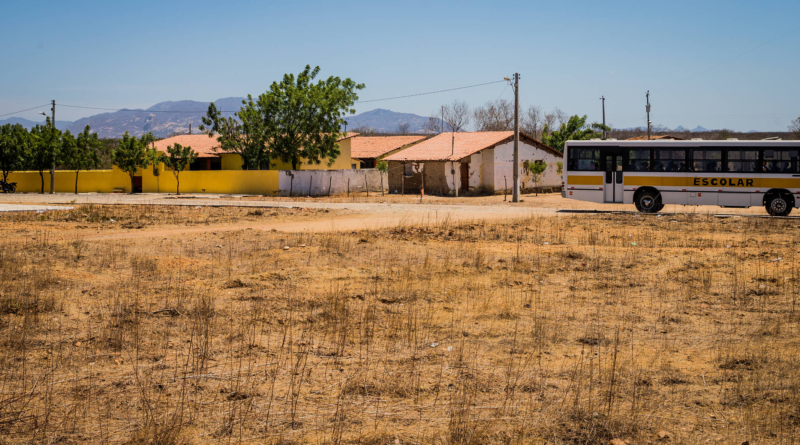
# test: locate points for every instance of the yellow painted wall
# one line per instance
(102, 181)
(250, 182)
(343, 162)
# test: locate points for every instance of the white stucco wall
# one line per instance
(335, 179)
(475, 170)
(449, 169)
(504, 160)
(487, 167)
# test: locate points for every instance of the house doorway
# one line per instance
(464, 177)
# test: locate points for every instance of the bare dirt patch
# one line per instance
(580, 329)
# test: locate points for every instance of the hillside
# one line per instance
(387, 121)
(162, 119)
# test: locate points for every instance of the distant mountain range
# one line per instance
(28, 124)
(162, 119)
(387, 121)
(165, 118)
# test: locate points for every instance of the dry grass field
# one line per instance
(576, 329)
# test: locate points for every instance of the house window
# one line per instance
(353, 166)
(408, 169)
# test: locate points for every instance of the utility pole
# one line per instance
(603, 98)
(648, 114)
(190, 128)
(442, 120)
(515, 194)
(53, 165)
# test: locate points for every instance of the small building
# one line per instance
(210, 157)
(207, 157)
(480, 162)
(370, 149)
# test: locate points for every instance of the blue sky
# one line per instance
(135, 54)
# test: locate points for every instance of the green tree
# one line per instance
(83, 154)
(302, 120)
(132, 154)
(575, 129)
(14, 141)
(243, 135)
(560, 168)
(383, 167)
(45, 145)
(537, 170)
(177, 158)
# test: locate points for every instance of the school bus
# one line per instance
(650, 174)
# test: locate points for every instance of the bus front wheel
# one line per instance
(778, 205)
(648, 202)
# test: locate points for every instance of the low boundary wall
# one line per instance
(331, 182)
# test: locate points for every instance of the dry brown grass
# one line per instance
(563, 330)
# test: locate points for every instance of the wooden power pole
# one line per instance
(603, 99)
(53, 165)
(515, 185)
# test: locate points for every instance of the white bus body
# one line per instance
(650, 174)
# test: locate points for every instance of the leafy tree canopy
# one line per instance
(177, 158)
(575, 129)
(243, 136)
(302, 120)
(132, 154)
(83, 154)
(45, 148)
(14, 140)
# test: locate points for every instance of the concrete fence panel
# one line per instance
(334, 182)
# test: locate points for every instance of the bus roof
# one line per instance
(690, 143)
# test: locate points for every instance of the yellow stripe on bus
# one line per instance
(585, 180)
(710, 181)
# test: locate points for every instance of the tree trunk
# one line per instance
(76, 181)
(41, 176)
(131, 175)
(178, 181)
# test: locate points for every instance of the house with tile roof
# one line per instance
(210, 157)
(370, 149)
(481, 162)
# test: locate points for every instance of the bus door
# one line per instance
(612, 189)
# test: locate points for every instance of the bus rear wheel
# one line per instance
(778, 205)
(648, 202)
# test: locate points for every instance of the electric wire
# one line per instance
(430, 92)
(22, 111)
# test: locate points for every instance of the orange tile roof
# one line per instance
(201, 143)
(653, 138)
(204, 145)
(368, 147)
(442, 148)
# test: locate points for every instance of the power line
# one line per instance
(431, 92)
(22, 111)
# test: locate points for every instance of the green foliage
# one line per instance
(14, 141)
(573, 130)
(132, 154)
(177, 158)
(536, 169)
(560, 168)
(83, 153)
(45, 148)
(302, 120)
(244, 136)
(382, 166)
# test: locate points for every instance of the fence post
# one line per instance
(330, 183)
(382, 194)
(348, 187)
(505, 190)
(291, 183)
(310, 183)
(403, 184)
(366, 185)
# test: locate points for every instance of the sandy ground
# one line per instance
(357, 212)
